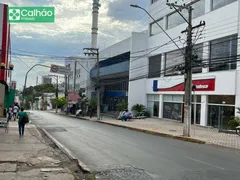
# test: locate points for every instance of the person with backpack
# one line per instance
(23, 119)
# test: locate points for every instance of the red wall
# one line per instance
(5, 43)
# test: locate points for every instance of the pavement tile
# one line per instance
(29, 157)
(8, 167)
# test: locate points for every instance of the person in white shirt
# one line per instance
(15, 112)
(10, 112)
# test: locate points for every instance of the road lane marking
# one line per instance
(218, 167)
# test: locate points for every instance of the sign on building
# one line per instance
(60, 69)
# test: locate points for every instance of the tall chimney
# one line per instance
(95, 13)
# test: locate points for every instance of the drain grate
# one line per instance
(55, 129)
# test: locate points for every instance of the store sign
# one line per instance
(201, 85)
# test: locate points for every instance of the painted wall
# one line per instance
(138, 68)
(116, 49)
(4, 39)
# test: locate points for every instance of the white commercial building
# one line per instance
(216, 72)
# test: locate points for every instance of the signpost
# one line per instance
(59, 69)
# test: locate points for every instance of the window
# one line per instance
(223, 54)
(153, 1)
(175, 19)
(176, 58)
(155, 29)
(154, 68)
(220, 3)
(172, 59)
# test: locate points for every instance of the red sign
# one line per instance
(73, 97)
(201, 85)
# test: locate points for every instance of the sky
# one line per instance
(47, 44)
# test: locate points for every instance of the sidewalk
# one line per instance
(34, 156)
(175, 130)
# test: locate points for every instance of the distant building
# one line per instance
(46, 80)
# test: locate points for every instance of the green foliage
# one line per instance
(122, 106)
(138, 108)
(93, 103)
(60, 102)
(36, 91)
(147, 114)
(232, 124)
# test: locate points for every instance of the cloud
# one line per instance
(121, 10)
(71, 31)
(25, 37)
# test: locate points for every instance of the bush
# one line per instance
(139, 108)
(147, 114)
(232, 124)
(93, 103)
(122, 106)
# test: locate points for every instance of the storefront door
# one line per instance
(218, 116)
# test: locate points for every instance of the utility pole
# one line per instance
(74, 80)
(188, 64)
(95, 52)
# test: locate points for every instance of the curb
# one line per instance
(157, 133)
(66, 151)
(188, 139)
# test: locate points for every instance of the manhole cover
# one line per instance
(55, 129)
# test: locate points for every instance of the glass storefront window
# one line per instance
(153, 105)
(172, 111)
(219, 116)
(221, 100)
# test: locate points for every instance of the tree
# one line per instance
(122, 106)
(60, 102)
(93, 103)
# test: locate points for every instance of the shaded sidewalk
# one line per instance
(174, 129)
(33, 156)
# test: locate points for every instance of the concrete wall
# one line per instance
(116, 49)
(138, 67)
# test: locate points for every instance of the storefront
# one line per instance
(213, 102)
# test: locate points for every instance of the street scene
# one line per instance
(119, 89)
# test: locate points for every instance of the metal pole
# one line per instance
(188, 78)
(98, 87)
(74, 80)
(24, 87)
(57, 93)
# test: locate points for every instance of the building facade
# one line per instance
(4, 58)
(216, 68)
(46, 80)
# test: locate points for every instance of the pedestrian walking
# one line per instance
(10, 112)
(15, 111)
(21, 121)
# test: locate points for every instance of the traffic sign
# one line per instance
(60, 69)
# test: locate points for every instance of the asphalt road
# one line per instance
(118, 152)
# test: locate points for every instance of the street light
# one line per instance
(154, 21)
